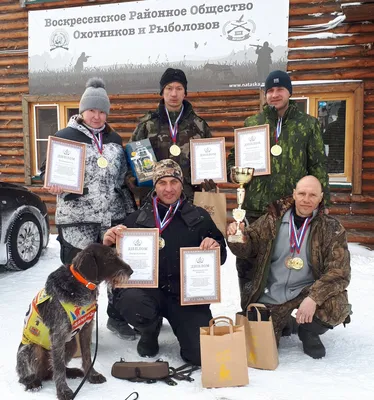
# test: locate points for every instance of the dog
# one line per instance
(66, 306)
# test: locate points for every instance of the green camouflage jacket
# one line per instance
(329, 258)
(302, 154)
(155, 126)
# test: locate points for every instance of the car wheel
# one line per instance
(25, 242)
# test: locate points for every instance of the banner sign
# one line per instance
(220, 44)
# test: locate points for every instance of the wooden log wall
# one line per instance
(345, 52)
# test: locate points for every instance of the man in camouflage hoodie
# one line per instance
(171, 127)
(300, 259)
(300, 140)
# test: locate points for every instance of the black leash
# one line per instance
(94, 359)
(95, 354)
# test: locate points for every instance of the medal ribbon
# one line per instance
(161, 225)
(296, 239)
(174, 130)
(98, 142)
(278, 129)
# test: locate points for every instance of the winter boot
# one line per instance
(309, 335)
(121, 329)
(292, 327)
(148, 342)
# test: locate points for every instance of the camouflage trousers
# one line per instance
(331, 313)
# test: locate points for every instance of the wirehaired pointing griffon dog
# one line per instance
(66, 306)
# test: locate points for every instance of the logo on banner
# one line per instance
(239, 30)
(59, 40)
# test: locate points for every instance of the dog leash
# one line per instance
(94, 359)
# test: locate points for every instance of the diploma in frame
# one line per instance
(139, 248)
(252, 149)
(200, 276)
(65, 164)
(208, 160)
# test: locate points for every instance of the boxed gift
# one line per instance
(141, 158)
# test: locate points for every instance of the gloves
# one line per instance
(208, 185)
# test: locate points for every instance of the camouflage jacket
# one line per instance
(155, 126)
(302, 154)
(330, 258)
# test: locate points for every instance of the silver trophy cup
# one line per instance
(241, 176)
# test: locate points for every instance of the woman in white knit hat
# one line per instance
(106, 200)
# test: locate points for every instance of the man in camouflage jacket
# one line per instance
(155, 126)
(301, 142)
(318, 288)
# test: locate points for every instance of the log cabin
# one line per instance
(330, 71)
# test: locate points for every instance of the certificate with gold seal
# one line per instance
(252, 148)
(200, 276)
(208, 160)
(65, 164)
(138, 247)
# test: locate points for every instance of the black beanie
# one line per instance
(278, 79)
(173, 75)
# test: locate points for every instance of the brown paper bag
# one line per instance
(215, 204)
(223, 355)
(262, 351)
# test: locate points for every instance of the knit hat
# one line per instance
(166, 168)
(95, 96)
(278, 79)
(173, 75)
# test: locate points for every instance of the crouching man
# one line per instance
(301, 261)
(181, 224)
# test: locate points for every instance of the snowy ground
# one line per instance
(347, 371)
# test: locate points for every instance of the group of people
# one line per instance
(294, 255)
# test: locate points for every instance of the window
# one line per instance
(42, 119)
(332, 117)
(339, 110)
(46, 123)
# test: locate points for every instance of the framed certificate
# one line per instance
(139, 248)
(200, 275)
(208, 160)
(65, 164)
(252, 149)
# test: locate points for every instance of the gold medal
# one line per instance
(297, 263)
(161, 243)
(294, 263)
(288, 262)
(175, 150)
(276, 150)
(102, 162)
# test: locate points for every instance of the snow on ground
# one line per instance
(347, 371)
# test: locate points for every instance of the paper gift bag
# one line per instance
(223, 354)
(215, 204)
(262, 351)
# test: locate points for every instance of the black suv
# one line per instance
(24, 227)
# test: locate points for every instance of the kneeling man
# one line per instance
(301, 261)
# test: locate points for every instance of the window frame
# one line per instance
(29, 124)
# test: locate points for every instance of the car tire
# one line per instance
(25, 242)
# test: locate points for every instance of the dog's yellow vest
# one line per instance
(36, 332)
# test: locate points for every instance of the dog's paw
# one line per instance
(34, 386)
(73, 373)
(96, 378)
(65, 394)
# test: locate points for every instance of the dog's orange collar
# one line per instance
(79, 278)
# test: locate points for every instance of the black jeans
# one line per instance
(143, 307)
